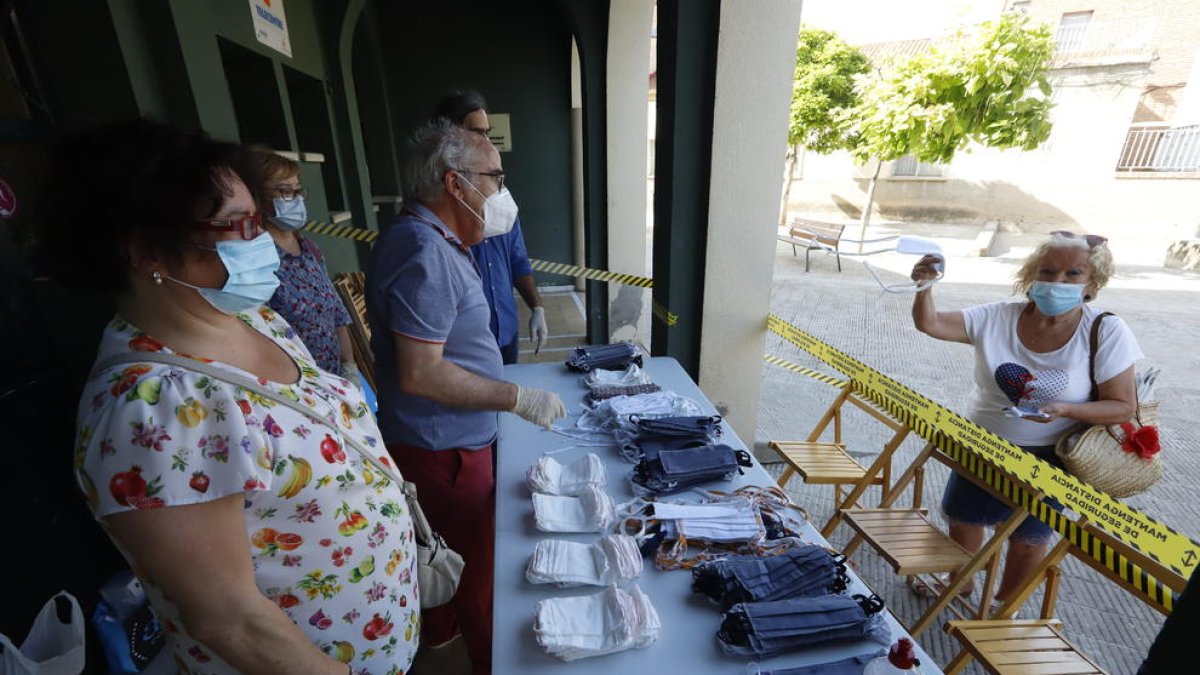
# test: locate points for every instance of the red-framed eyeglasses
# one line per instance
(248, 227)
(1093, 240)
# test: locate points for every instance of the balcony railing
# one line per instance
(1103, 42)
(1161, 148)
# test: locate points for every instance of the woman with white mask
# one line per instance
(306, 297)
(1033, 383)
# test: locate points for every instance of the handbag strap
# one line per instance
(421, 527)
(1093, 347)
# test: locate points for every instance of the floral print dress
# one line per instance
(331, 538)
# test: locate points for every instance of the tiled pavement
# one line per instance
(848, 311)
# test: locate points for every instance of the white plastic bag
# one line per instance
(52, 648)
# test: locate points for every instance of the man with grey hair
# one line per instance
(439, 366)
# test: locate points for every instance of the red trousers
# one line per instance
(457, 491)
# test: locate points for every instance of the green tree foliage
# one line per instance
(988, 87)
(824, 90)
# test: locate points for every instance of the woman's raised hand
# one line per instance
(926, 269)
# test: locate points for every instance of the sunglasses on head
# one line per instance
(1093, 240)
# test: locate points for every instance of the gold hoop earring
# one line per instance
(157, 277)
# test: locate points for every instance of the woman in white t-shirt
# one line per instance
(1033, 354)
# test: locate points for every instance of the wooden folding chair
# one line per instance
(1020, 647)
(1011, 646)
(351, 286)
(821, 463)
(913, 546)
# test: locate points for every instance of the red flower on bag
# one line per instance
(1143, 441)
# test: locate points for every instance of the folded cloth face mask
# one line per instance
(854, 665)
(550, 477)
(601, 393)
(802, 571)
(609, 357)
(632, 376)
(612, 559)
(759, 629)
(615, 413)
(677, 470)
(590, 511)
(653, 435)
(592, 625)
(735, 520)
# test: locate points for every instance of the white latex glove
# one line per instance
(539, 406)
(538, 332)
(349, 370)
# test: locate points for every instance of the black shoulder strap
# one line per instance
(1094, 345)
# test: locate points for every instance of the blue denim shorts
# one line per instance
(966, 503)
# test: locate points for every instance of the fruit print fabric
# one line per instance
(331, 538)
(307, 300)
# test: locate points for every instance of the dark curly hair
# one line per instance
(130, 181)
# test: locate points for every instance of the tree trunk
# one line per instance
(792, 159)
(866, 214)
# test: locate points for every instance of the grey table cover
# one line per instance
(687, 643)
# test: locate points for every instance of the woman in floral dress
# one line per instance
(265, 542)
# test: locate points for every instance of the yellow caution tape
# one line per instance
(589, 273)
(342, 231)
(369, 237)
(981, 452)
(666, 316)
(797, 368)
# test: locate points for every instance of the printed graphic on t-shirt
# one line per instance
(1023, 387)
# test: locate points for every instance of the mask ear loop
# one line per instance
(903, 288)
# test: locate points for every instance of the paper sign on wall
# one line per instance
(501, 132)
(270, 25)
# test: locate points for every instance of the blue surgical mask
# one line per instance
(1053, 298)
(251, 266)
(290, 214)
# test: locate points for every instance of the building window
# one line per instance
(908, 167)
(1071, 29)
(1019, 7)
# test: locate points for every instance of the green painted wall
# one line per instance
(519, 57)
(244, 90)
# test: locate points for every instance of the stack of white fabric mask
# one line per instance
(548, 476)
(611, 559)
(590, 511)
(593, 625)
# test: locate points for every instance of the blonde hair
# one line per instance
(1099, 259)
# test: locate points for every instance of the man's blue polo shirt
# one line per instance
(423, 283)
(502, 259)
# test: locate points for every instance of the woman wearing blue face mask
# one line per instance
(206, 433)
(1033, 355)
(306, 297)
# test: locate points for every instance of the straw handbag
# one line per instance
(1119, 459)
